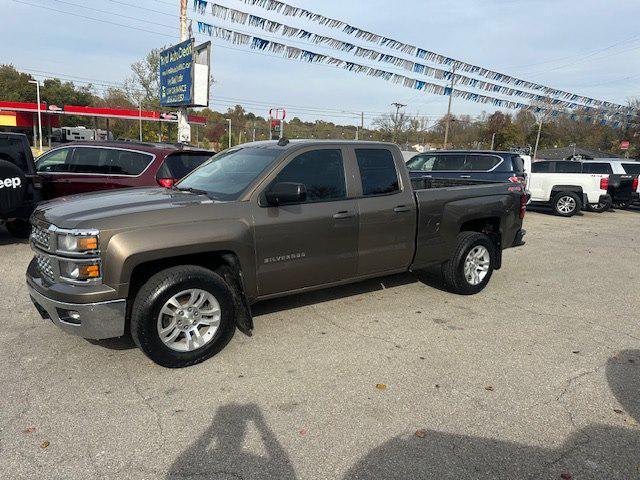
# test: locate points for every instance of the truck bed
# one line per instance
(448, 206)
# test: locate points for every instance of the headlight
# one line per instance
(80, 271)
(74, 243)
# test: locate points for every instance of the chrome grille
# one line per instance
(41, 237)
(45, 267)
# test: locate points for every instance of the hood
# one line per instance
(108, 209)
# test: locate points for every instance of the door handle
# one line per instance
(343, 214)
(402, 208)
(465, 176)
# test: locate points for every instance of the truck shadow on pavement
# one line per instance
(593, 452)
(431, 279)
(7, 239)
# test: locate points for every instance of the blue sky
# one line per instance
(590, 47)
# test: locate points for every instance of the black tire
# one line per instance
(453, 269)
(19, 228)
(603, 206)
(622, 205)
(561, 197)
(158, 290)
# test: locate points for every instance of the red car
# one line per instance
(91, 166)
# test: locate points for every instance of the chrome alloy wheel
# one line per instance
(566, 204)
(476, 265)
(189, 320)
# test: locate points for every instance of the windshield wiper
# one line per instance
(195, 191)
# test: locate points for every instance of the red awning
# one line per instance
(116, 113)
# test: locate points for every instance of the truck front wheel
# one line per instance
(470, 267)
(182, 316)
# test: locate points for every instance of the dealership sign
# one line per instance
(184, 75)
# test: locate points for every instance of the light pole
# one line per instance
(37, 84)
(535, 150)
(446, 128)
(229, 120)
(184, 129)
(140, 118)
(493, 140)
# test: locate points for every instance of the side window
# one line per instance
(540, 167)
(55, 161)
(590, 167)
(480, 163)
(631, 168)
(179, 165)
(377, 171)
(449, 162)
(422, 163)
(89, 160)
(125, 162)
(568, 167)
(321, 172)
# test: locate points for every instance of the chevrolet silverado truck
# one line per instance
(180, 267)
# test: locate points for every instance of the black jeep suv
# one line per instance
(19, 184)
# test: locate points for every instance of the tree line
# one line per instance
(498, 129)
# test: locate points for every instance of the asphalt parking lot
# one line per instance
(536, 377)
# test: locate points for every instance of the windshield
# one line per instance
(226, 175)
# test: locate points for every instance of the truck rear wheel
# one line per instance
(182, 316)
(566, 204)
(470, 267)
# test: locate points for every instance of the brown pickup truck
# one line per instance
(179, 268)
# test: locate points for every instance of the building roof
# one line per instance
(566, 153)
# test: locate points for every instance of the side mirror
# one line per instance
(285, 193)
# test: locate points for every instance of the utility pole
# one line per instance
(229, 133)
(446, 128)
(535, 150)
(396, 119)
(37, 84)
(184, 129)
(493, 140)
(254, 132)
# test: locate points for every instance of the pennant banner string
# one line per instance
(291, 11)
(294, 53)
(243, 18)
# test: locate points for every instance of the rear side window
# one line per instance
(108, 161)
(481, 163)
(541, 167)
(449, 162)
(568, 167)
(589, 167)
(179, 165)
(517, 162)
(14, 150)
(422, 163)
(631, 168)
(321, 172)
(377, 171)
(54, 161)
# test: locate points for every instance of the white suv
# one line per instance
(564, 186)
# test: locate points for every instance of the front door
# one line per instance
(310, 243)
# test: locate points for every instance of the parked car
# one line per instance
(91, 166)
(622, 167)
(469, 164)
(19, 185)
(563, 186)
(179, 267)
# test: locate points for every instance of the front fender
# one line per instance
(128, 249)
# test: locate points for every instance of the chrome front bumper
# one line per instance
(89, 320)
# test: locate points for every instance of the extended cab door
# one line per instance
(314, 242)
(387, 212)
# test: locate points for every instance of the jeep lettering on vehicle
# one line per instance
(14, 182)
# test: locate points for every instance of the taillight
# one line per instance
(523, 204)
(604, 183)
(517, 179)
(635, 184)
(166, 182)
